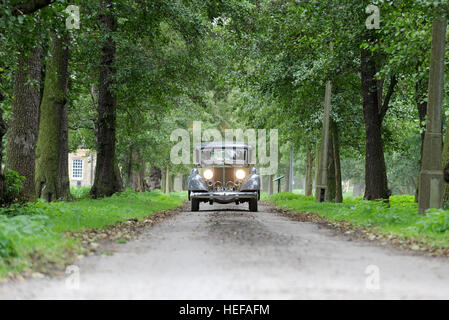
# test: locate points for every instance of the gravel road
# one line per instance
(226, 252)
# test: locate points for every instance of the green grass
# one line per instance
(347, 194)
(33, 233)
(401, 219)
(80, 192)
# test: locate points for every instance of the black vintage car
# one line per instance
(223, 173)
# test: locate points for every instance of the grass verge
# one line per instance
(34, 236)
(429, 232)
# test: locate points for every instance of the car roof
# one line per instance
(213, 145)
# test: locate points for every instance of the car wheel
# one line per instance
(194, 205)
(253, 205)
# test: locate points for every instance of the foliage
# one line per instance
(80, 192)
(436, 221)
(231, 64)
(400, 218)
(39, 227)
(14, 184)
(7, 249)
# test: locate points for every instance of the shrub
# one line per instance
(80, 192)
(14, 184)
(435, 220)
(7, 249)
(286, 196)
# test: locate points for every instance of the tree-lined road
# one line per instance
(225, 252)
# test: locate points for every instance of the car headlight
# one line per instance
(208, 174)
(240, 174)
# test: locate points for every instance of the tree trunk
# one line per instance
(331, 181)
(287, 178)
(375, 169)
(107, 177)
(51, 177)
(138, 173)
(337, 165)
(263, 184)
(184, 182)
(2, 133)
(24, 123)
(172, 183)
(317, 166)
(155, 178)
(129, 170)
(63, 173)
(270, 184)
(291, 171)
(309, 171)
(167, 180)
(422, 112)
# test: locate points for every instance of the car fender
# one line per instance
(196, 181)
(252, 183)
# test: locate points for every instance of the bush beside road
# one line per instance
(34, 236)
(399, 222)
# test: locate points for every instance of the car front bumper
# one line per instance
(224, 196)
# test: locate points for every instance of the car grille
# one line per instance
(223, 175)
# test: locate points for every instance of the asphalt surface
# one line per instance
(226, 252)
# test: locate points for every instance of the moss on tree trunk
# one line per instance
(51, 179)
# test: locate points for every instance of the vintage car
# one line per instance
(223, 173)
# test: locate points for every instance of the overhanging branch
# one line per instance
(29, 7)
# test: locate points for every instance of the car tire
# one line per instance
(253, 205)
(194, 205)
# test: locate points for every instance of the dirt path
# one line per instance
(236, 254)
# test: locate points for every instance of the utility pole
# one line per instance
(321, 184)
(431, 175)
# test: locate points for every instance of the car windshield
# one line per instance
(236, 156)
